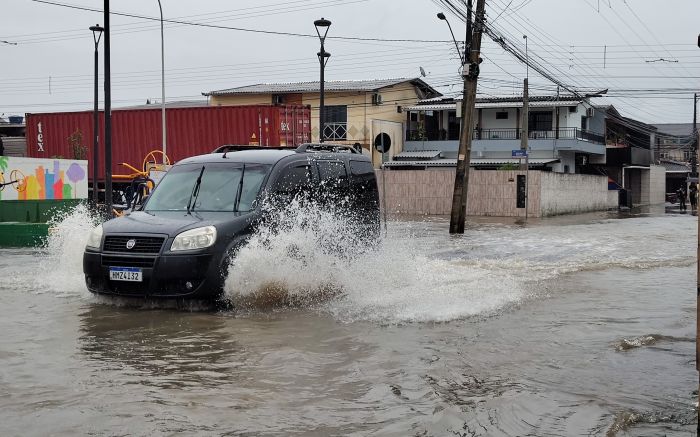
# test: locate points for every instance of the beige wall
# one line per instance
(361, 111)
(493, 193)
(241, 100)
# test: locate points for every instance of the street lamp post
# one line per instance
(323, 56)
(442, 16)
(96, 35)
(162, 80)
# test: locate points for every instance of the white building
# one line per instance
(566, 133)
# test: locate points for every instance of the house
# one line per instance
(630, 160)
(364, 112)
(566, 133)
(674, 142)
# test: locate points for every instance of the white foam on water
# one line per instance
(419, 273)
(311, 258)
(68, 234)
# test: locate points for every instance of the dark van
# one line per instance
(179, 244)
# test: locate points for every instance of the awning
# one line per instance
(419, 154)
(476, 162)
(436, 107)
(426, 163)
(487, 105)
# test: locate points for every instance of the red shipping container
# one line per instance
(190, 131)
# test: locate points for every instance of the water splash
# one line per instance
(68, 234)
(313, 257)
(647, 340)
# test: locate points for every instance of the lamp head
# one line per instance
(96, 33)
(441, 16)
(322, 23)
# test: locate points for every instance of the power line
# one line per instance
(240, 29)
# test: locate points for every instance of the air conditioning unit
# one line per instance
(590, 112)
(277, 99)
(376, 99)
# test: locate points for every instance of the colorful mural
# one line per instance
(42, 179)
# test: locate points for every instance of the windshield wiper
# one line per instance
(195, 192)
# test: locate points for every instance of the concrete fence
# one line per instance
(493, 192)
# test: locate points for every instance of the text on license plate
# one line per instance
(131, 274)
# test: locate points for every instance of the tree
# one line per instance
(75, 140)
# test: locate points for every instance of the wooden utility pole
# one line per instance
(470, 73)
(524, 139)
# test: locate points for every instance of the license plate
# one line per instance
(131, 274)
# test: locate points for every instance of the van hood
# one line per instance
(171, 223)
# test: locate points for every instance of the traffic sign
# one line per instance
(519, 153)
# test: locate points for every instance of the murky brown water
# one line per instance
(570, 326)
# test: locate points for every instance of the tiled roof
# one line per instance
(674, 166)
(329, 86)
(675, 129)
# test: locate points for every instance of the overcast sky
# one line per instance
(643, 51)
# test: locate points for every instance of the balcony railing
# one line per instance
(335, 131)
(567, 133)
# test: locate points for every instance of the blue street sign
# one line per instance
(519, 153)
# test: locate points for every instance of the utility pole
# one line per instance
(108, 117)
(524, 139)
(470, 73)
(694, 152)
(697, 273)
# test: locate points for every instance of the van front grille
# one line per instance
(118, 243)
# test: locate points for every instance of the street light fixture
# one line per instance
(442, 16)
(323, 57)
(96, 35)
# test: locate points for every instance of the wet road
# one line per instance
(567, 326)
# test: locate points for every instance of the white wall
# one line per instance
(574, 193)
(488, 119)
(565, 158)
(654, 186)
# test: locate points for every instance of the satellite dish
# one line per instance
(422, 72)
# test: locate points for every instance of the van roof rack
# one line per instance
(238, 147)
(326, 147)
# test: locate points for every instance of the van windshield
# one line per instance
(223, 187)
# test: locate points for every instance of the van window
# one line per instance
(363, 186)
(220, 187)
(332, 171)
(253, 177)
(359, 168)
(294, 180)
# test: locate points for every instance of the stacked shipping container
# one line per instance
(190, 131)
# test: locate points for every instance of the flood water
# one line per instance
(574, 326)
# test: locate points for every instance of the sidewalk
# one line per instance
(674, 208)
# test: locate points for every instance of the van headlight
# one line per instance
(95, 238)
(198, 238)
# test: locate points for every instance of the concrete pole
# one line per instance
(524, 139)
(471, 74)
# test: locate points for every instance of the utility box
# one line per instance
(521, 191)
(625, 198)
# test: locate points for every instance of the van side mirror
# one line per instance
(143, 201)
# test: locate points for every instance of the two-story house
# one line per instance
(359, 112)
(565, 133)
